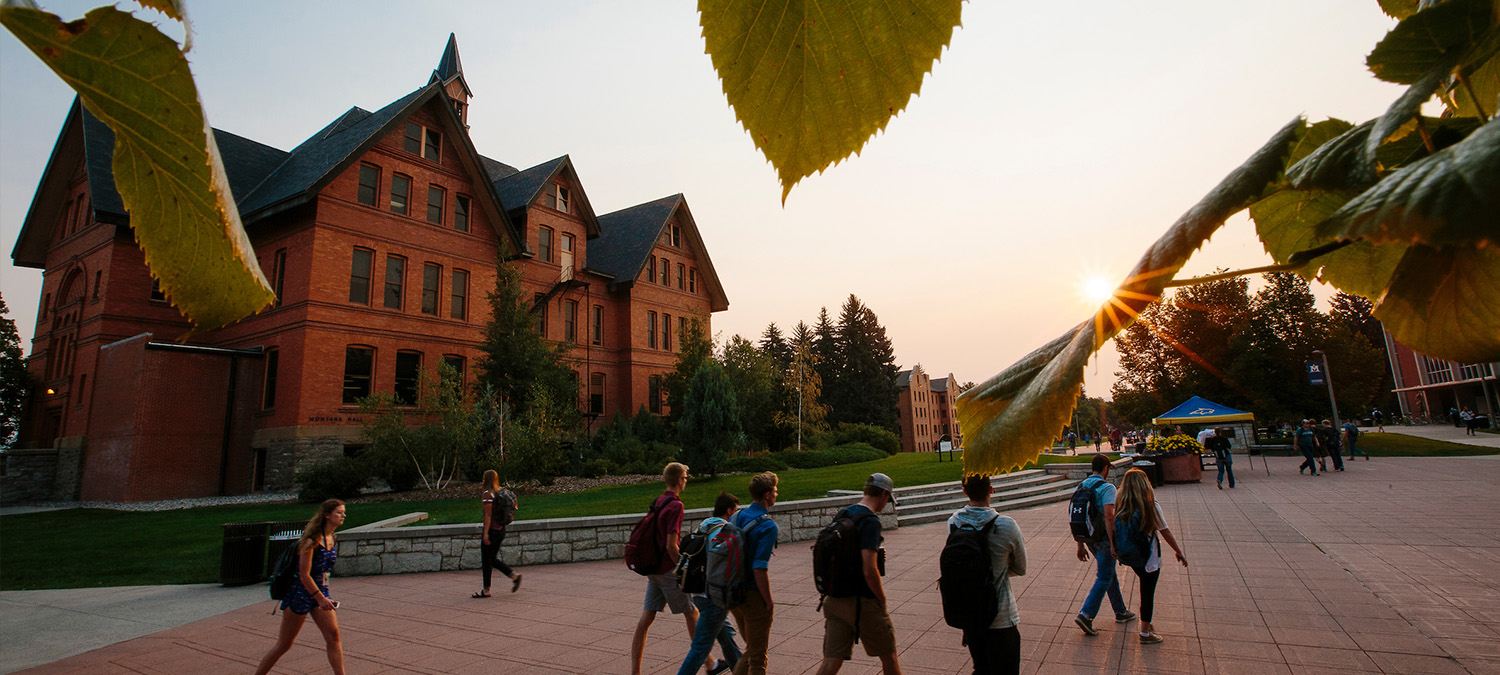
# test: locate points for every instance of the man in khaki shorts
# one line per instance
(863, 615)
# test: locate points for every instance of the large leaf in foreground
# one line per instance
(167, 167)
(1286, 222)
(812, 81)
(1009, 418)
(1445, 302)
(1435, 37)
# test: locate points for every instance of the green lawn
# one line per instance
(1401, 445)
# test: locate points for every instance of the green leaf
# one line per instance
(813, 81)
(1399, 9)
(1445, 302)
(1315, 137)
(1408, 106)
(167, 167)
(1449, 198)
(1333, 165)
(1285, 222)
(1433, 38)
(1009, 418)
(1484, 80)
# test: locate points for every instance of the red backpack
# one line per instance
(645, 550)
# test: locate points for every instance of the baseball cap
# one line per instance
(883, 482)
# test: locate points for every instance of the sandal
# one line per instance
(482, 594)
(515, 584)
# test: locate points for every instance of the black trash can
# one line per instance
(1151, 469)
(243, 560)
(283, 535)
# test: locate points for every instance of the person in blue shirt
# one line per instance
(1105, 581)
(1307, 442)
(754, 616)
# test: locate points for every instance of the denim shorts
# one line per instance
(662, 592)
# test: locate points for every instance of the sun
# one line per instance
(1097, 289)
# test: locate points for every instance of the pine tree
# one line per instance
(517, 361)
(694, 351)
(710, 425)
(825, 349)
(15, 380)
(775, 346)
(863, 390)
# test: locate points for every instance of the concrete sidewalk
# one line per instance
(1385, 568)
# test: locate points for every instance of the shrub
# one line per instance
(754, 464)
(868, 434)
(841, 454)
(597, 467)
(340, 479)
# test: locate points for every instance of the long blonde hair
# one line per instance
(1137, 498)
(491, 481)
(314, 530)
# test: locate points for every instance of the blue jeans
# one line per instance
(1308, 462)
(1227, 465)
(1104, 581)
(711, 626)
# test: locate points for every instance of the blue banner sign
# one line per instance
(1315, 372)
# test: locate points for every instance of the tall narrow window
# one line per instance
(461, 213)
(692, 281)
(681, 329)
(566, 259)
(413, 141)
(408, 373)
(597, 327)
(431, 276)
(457, 363)
(651, 329)
(570, 321)
(400, 193)
(651, 268)
(541, 315)
(681, 278)
(99, 281)
(268, 389)
(544, 244)
(459, 298)
(435, 196)
(359, 367)
(666, 272)
(395, 281)
(280, 274)
(83, 383)
(676, 236)
(369, 184)
(653, 394)
(433, 148)
(563, 197)
(156, 292)
(359, 276)
(666, 332)
(556, 196)
(596, 394)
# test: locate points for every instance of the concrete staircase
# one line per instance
(922, 504)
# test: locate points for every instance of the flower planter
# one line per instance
(1180, 468)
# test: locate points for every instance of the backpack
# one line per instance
(965, 570)
(726, 564)
(837, 568)
(284, 573)
(692, 563)
(1132, 547)
(1085, 516)
(502, 508)
(645, 550)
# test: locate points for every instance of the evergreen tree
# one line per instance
(710, 425)
(802, 336)
(694, 350)
(825, 350)
(864, 389)
(15, 380)
(775, 346)
(1358, 313)
(517, 361)
(756, 380)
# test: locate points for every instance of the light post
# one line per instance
(799, 399)
(1328, 380)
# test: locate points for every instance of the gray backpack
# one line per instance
(727, 564)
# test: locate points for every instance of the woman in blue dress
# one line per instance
(316, 553)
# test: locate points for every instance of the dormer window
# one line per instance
(557, 197)
(676, 236)
(423, 141)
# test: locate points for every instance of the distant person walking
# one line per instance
(1469, 421)
(661, 587)
(499, 505)
(1379, 419)
(1329, 436)
(1351, 438)
(317, 551)
(1307, 442)
(1453, 417)
(711, 617)
(756, 614)
(1223, 457)
(1138, 521)
(1105, 581)
(864, 616)
(997, 648)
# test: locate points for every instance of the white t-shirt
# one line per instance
(1154, 562)
(1205, 435)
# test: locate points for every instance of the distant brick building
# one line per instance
(380, 234)
(925, 411)
(1429, 386)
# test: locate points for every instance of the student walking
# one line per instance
(661, 587)
(499, 506)
(1307, 442)
(1329, 436)
(711, 618)
(1105, 581)
(862, 616)
(1138, 521)
(317, 551)
(755, 615)
(995, 649)
(1223, 457)
(1351, 438)
(1468, 417)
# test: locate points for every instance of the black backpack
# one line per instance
(284, 573)
(967, 580)
(692, 563)
(1085, 516)
(502, 508)
(837, 567)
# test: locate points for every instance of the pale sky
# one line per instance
(1053, 141)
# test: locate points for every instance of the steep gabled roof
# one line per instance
(519, 189)
(630, 234)
(497, 169)
(940, 384)
(903, 379)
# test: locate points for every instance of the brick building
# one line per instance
(925, 411)
(1426, 386)
(380, 234)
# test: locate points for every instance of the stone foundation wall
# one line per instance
(432, 548)
(287, 456)
(1081, 470)
(29, 475)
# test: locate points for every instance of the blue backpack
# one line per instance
(1132, 546)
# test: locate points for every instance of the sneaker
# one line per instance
(1221, 486)
(721, 667)
(1125, 618)
(1302, 470)
(1086, 624)
(1150, 639)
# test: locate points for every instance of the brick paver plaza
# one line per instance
(1386, 568)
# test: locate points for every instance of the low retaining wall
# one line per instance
(1081, 470)
(384, 548)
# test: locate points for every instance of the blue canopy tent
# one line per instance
(1205, 413)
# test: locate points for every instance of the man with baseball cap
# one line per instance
(864, 616)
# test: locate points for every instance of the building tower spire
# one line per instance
(450, 73)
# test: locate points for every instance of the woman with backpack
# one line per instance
(1138, 521)
(500, 506)
(316, 554)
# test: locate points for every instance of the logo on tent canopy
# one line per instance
(1202, 411)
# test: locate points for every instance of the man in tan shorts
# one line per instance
(863, 615)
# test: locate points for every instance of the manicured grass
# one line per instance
(1400, 445)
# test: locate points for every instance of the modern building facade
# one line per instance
(1427, 387)
(925, 411)
(380, 234)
